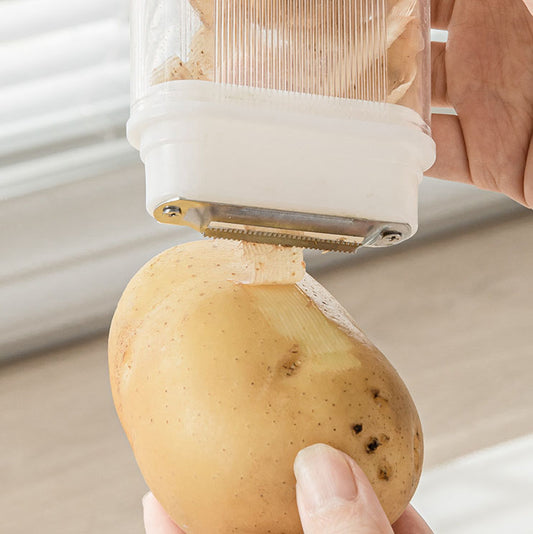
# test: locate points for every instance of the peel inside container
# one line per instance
(343, 48)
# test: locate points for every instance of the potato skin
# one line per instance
(219, 384)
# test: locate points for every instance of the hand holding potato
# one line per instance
(334, 496)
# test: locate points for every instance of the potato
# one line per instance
(201, 58)
(172, 69)
(226, 360)
(206, 11)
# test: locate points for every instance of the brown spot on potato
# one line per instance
(290, 364)
(417, 456)
(384, 471)
(357, 428)
(372, 445)
(379, 399)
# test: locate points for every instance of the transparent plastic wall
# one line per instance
(374, 50)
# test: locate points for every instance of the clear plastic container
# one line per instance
(376, 50)
(358, 64)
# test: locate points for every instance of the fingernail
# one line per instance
(323, 477)
(145, 498)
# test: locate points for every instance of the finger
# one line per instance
(452, 157)
(441, 13)
(334, 495)
(156, 520)
(410, 522)
(439, 83)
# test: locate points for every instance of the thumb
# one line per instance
(334, 496)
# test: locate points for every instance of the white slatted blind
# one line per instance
(64, 90)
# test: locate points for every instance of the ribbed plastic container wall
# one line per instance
(373, 50)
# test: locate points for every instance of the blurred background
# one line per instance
(452, 309)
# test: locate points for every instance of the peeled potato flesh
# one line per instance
(225, 360)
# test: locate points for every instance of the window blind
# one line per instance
(64, 90)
